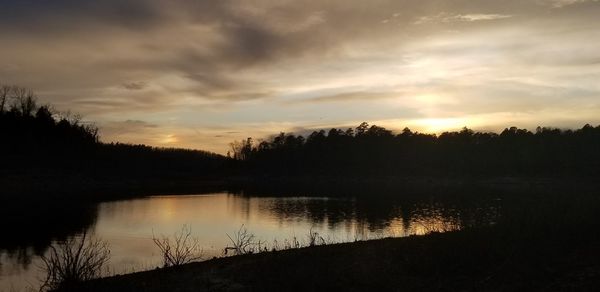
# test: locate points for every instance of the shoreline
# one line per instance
(546, 239)
(70, 186)
(477, 259)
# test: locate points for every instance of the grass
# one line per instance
(467, 260)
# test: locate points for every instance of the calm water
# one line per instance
(129, 225)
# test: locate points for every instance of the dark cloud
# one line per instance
(158, 60)
(63, 18)
(138, 123)
(135, 85)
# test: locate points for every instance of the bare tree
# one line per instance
(241, 149)
(4, 95)
(74, 261)
(93, 130)
(68, 116)
(24, 100)
(181, 249)
(243, 242)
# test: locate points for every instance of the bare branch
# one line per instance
(243, 242)
(181, 249)
(74, 261)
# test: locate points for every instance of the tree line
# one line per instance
(37, 137)
(367, 151)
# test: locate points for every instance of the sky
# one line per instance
(201, 74)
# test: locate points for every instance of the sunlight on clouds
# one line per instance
(496, 121)
(203, 75)
(447, 18)
(429, 99)
(433, 125)
(169, 139)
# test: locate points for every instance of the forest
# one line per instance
(39, 139)
(375, 151)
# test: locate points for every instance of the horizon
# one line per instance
(306, 132)
(201, 74)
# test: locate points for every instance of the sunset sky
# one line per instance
(200, 74)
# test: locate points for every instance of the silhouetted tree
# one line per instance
(373, 150)
(241, 149)
(39, 138)
(4, 95)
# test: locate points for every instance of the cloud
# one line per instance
(352, 96)
(127, 126)
(131, 131)
(564, 3)
(256, 65)
(135, 85)
(478, 17)
(447, 18)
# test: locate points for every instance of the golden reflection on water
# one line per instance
(129, 225)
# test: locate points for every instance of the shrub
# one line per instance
(181, 249)
(243, 242)
(73, 261)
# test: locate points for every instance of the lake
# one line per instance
(129, 225)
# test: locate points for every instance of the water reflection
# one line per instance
(129, 225)
(30, 228)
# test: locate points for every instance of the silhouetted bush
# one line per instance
(243, 242)
(181, 249)
(74, 261)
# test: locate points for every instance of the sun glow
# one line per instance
(428, 99)
(437, 125)
(169, 139)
